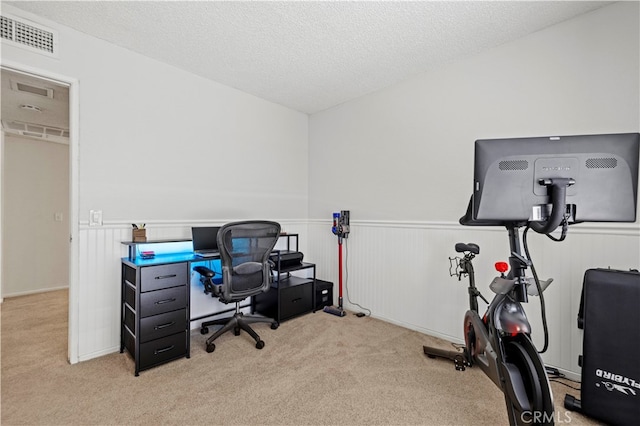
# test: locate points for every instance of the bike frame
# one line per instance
(489, 340)
(500, 344)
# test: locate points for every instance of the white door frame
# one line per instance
(74, 227)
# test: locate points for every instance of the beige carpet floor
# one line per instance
(317, 369)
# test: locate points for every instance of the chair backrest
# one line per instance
(244, 252)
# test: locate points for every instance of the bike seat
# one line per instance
(472, 247)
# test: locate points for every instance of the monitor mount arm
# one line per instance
(558, 190)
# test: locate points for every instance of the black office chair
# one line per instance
(246, 271)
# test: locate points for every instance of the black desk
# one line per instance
(156, 303)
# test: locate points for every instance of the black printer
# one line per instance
(284, 259)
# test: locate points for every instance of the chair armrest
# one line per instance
(207, 281)
(204, 271)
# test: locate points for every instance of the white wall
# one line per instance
(165, 147)
(159, 143)
(35, 244)
(401, 160)
(406, 153)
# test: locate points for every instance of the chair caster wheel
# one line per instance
(236, 331)
(204, 330)
(275, 325)
(259, 344)
(211, 347)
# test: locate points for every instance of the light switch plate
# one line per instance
(95, 217)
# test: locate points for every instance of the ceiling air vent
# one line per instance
(28, 35)
(19, 86)
(36, 131)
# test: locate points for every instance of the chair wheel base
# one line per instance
(204, 330)
(275, 325)
(211, 347)
(259, 344)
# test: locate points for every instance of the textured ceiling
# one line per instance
(308, 56)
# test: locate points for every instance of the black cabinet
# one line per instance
(295, 299)
(287, 298)
(292, 292)
(155, 313)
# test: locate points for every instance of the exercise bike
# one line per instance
(500, 342)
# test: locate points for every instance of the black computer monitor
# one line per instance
(511, 177)
(205, 238)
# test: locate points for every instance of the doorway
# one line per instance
(39, 183)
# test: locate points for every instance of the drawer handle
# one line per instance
(162, 277)
(159, 351)
(162, 302)
(161, 326)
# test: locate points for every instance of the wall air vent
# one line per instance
(29, 35)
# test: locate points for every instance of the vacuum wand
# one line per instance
(340, 228)
(340, 273)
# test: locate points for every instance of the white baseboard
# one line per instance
(40, 290)
(98, 354)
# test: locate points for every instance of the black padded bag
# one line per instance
(610, 317)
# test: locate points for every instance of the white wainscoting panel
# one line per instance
(400, 271)
(100, 252)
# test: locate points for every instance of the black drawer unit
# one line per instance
(290, 295)
(162, 350)
(163, 276)
(296, 300)
(162, 325)
(165, 300)
(155, 313)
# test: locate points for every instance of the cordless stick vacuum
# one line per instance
(341, 229)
